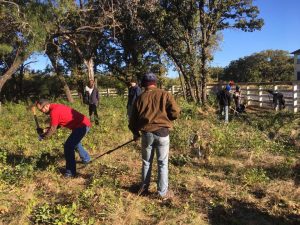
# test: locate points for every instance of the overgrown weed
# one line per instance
(244, 160)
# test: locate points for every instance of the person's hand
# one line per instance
(39, 130)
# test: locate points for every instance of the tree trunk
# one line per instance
(21, 79)
(182, 85)
(204, 73)
(189, 86)
(61, 78)
(89, 63)
(198, 91)
(13, 68)
(66, 88)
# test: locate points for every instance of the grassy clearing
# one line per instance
(252, 177)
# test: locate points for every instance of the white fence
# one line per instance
(253, 94)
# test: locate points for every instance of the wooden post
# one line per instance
(248, 95)
(295, 97)
(275, 88)
(260, 97)
(107, 92)
(173, 89)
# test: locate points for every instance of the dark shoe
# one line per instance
(86, 162)
(69, 175)
(143, 191)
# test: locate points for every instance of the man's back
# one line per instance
(154, 109)
(224, 97)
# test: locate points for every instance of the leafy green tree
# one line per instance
(265, 66)
(188, 31)
(23, 27)
(218, 15)
(173, 25)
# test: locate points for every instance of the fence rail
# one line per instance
(253, 94)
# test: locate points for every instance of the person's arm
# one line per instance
(51, 130)
(172, 108)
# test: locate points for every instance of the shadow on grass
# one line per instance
(40, 163)
(247, 214)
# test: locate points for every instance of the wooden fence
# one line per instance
(253, 94)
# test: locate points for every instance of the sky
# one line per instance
(281, 31)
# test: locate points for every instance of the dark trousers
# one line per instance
(93, 111)
(74, 141)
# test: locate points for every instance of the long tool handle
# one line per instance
(110, 151)
(35, 117)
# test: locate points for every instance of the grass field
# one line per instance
(253, 176)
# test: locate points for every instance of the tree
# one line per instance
(173, 25)
(265, 66)
(218, 15)
(83, 25)
(22, 31)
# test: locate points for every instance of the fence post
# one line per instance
(295, 97)
(248, 95)
(107, 92)
(275, 88)
(260, 97)
(173, 89)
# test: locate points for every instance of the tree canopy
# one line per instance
(265, 66)
(122, 37)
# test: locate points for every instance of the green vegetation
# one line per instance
(252, 176)
(264, 66)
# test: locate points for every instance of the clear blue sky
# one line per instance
(281, 31)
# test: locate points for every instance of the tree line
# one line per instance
(124, 38)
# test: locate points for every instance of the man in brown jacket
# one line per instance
(153, 113)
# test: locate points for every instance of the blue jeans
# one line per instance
(74, 142)
(150, 143)
(224, 111)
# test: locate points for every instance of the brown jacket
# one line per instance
(153, 109)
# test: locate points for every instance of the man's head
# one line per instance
(133, 82)
(43, 105)
(91, 83)
(231, 83)
(149, 79)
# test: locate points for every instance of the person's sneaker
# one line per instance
(168, 196)
(69, 175)
(86, 162)
(143, 191)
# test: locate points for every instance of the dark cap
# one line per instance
(42, 102)
(149, 79)
(133, 80)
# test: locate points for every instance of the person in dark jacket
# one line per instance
(152, 114)
(92, 99)
(278, 99)
(133, 92)
(224, 98)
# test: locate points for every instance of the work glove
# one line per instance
(39, 130)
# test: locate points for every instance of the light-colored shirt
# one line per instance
(90, 90)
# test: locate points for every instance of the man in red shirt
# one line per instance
(62, 115)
